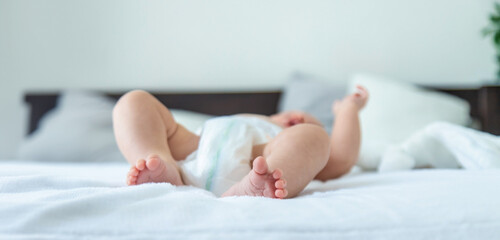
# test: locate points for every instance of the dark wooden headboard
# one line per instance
(484, 102)
(265, 103)
(484, 105)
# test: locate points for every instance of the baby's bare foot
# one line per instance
(357, 100)
(154, 169)
(260, 182)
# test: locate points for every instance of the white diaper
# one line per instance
(224, 151)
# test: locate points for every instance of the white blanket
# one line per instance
(444, 145)
(90, 201)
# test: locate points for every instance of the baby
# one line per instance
(296, 149)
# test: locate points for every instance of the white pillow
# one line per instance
(80, 129)
(396, 110)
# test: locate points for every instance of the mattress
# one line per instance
(91, 201)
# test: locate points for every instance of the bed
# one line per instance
(91, 201)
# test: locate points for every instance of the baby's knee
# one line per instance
(312, 132)
(312, 137)
(135, 96)
(133, 99)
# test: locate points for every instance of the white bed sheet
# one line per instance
(91, 201)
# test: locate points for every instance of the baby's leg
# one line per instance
(150, 139)
(293, 158)
(346, 136)
(300, 152)
(345, 143)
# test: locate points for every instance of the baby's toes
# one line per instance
(277, 174)
(140, 164)
(131, 180)
(133, 171)
(280, 183)
(132, 176)
(153, 162)
(281, 193)
(362, 92)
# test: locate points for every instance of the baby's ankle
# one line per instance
(347, 106)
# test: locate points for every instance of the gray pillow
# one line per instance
(309, 94)
(79, 129)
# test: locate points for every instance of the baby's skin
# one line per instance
(300, 153)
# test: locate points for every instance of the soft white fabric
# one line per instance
(224, 152)
(80, 129)
(90, 201)
(472, 149)
(444, 145)
(396, 110)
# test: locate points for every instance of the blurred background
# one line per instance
(228, 45)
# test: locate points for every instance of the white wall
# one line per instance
(230, 44)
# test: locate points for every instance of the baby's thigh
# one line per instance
(182, 143)
(300, 139)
